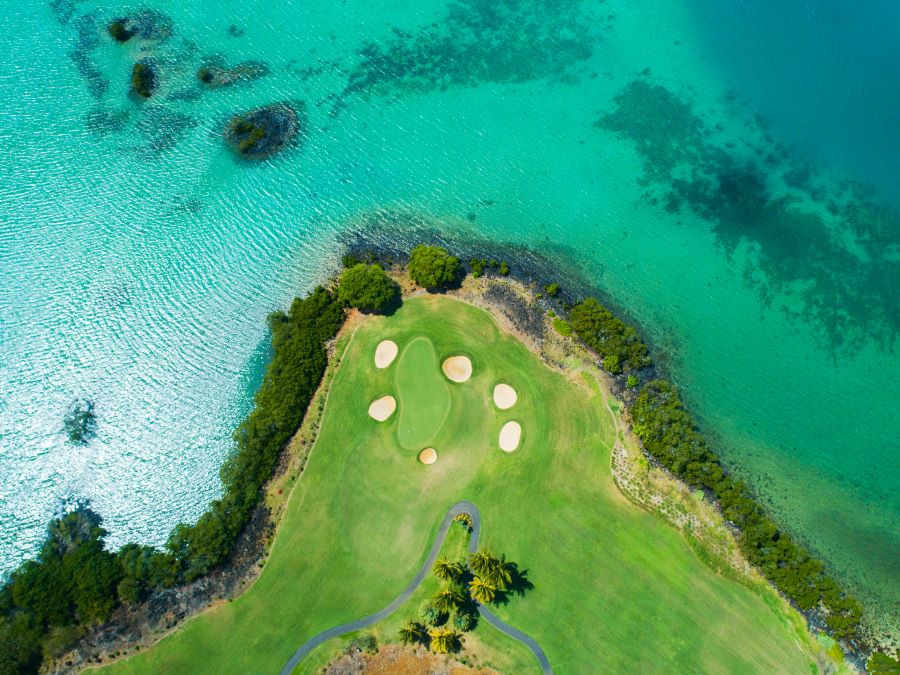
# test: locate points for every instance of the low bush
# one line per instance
(432, 266)
(368, 288)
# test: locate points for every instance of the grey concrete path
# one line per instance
(372, 619)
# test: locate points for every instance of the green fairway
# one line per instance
(614, 588)
(422, 394)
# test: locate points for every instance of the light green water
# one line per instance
(138, 259)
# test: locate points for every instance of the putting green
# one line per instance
(423, 395)
(615, 589)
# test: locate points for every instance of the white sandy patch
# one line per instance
(428, 456)
(385, 353)
(504, 396)
(382, 408)
(510, 435)
(457, 368)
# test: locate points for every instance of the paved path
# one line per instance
(365, 622)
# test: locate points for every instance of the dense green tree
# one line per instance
(481, 561)
(368, 288)
(20, 645)
(882, 664)
(432, 266)
(608, 336)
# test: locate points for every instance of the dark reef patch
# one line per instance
(164, 128)
(262, 132)
(479, 41)
(87, 39)
(826, 253)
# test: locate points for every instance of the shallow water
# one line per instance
(666, 148)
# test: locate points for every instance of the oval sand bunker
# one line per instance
(504, 396)
(457, 368)
(382, 408)
(510, 435)
(428, 456)
(385, 353)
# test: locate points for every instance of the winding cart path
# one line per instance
(371, 619)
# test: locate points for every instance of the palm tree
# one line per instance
(447, 570)
(443, 640)
(500, 573)
(481, 561)
(411, 632)
(430, 614)
(482, 591)
(446, 600)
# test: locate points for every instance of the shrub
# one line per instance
(504, 270)
(611, 363)
(432, 266)
(367, 288)
(632, 381)
(80, 421)
(562, 327)
(477, 265)
(365, 642)
(552, 290)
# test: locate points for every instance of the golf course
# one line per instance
(611, 587)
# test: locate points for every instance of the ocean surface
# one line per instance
(727, 170)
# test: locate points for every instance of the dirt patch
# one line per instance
(397, 660)
(382, 408)
(385, 353)
(505, 397)
(510, 435)
(457, 368)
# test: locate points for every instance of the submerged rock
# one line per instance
(143, 79)
(215, 73)
(262, 132)
(80, 422)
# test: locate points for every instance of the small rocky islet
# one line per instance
(144, 79)
(264, 131)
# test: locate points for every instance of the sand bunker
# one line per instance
(382, 408)
(385, 353)
(504, 396)
(510, 435)
(457, 368)
(428, 456)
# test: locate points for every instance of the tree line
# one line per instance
(74, 581)
(670, 435)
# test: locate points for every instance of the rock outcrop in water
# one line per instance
(262, 132)
(144, 80)
(145, 25)
(215, 72)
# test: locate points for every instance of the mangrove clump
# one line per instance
(80, 422)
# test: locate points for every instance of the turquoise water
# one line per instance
(667, 148)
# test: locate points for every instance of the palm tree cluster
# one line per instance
(452, 610)
(492, 575)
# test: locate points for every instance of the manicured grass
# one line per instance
(422, 394)
(614, 587)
